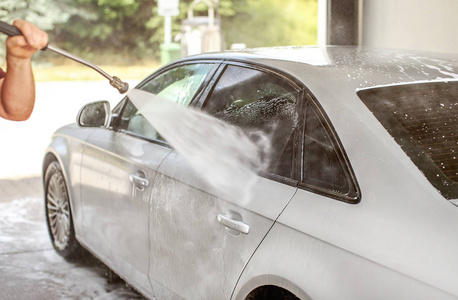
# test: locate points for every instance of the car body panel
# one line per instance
(116, 211)
(67, 146)
(133, 159)
(371, 238)
(310, 268)
(95, 193)
(397, 242)
(189, 248)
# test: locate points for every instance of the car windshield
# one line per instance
(422, 118)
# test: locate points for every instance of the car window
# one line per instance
(256, 101)
(422, 118)
(322, 167)
(179, 85)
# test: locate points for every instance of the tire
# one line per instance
(59, 215)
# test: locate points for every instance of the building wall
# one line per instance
(430, 25)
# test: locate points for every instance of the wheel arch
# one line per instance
(47, 160)
(50, 157)
(59, 151)
(56, 151)
(253, 288)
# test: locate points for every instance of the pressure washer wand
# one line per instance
(117, 83)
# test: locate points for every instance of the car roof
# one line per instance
(360, 66)
(335, 73)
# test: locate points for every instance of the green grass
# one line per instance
(78, 72)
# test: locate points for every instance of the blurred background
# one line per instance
(132, 32)
(129, 39)
(133, 38)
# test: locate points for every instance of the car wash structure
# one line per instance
(198, 34)
(201, 33)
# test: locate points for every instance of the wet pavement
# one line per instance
(30, 268)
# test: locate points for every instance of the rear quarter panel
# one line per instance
(399, 242)
(382, 248)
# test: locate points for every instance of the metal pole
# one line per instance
(117, 83)
(80, 60)
(167, 30)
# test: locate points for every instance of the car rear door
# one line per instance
(202, 236)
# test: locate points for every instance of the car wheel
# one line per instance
(59, 215)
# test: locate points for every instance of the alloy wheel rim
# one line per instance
(58, 211)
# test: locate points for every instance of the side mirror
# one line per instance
(95, 114)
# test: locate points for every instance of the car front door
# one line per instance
(201, 236)
(123, 161)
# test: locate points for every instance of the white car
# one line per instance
(358, 201)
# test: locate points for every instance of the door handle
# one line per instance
(139, 181)
(233, 224)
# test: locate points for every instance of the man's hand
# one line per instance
(17, 88)
(24, 46)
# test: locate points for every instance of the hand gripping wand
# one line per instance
(117, 83)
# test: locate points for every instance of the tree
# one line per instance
(107, 28)
(126, 30)
(43, 13)
(133, 29)
(272, 23)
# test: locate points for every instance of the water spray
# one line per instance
(117, 83)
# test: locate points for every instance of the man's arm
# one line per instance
(17, 88)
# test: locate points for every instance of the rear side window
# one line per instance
(322, 167)
(257, 100)
(325, 169)
(423, 119)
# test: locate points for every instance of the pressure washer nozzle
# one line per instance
(120, 85)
